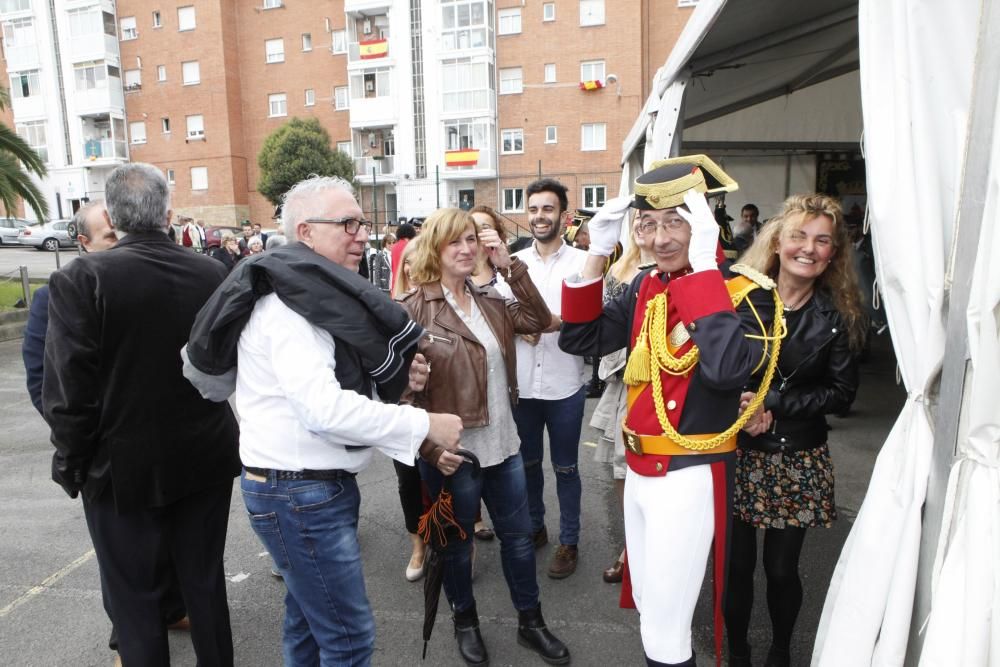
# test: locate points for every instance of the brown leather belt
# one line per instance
(664, 446)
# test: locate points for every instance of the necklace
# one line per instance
(800, 302)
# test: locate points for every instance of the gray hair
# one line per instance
(275, 241)
(137, 198)
(301, 202)
(81, 215)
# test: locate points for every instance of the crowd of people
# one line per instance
(446, 342)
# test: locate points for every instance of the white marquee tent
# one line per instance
(918, 580)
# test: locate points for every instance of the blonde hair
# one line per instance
(442, 226)
(403, 283)
(625, 267)
(839, 280)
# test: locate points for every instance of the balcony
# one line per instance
(96, 46)
(468, 163)
(383, 166)
(368, 51)
(28, 107)
(366, 6)
(103, 138)
(21, 57)
(103, 149)
(104, 98)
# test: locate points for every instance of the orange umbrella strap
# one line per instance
(438, 518)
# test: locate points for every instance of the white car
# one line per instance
(47, 236)
(9, 227)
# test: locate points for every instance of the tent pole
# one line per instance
(948, 413)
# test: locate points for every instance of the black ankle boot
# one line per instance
(470, 642)
(532, 633)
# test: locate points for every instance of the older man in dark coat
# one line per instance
(154, 461)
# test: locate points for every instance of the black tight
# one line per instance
(410, 494)
(782, 548)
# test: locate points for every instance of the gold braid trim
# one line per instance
(658, 352)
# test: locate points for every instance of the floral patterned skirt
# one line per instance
(779, 490)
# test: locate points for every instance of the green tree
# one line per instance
(17, 161)
(294, 151)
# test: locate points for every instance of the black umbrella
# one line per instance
(437, 526)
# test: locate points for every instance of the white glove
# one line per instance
(606, 226)
(704, 232)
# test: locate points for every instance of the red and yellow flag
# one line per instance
(591, 85)
(375, 48)
(463, 157)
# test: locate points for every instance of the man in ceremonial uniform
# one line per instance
(694, 339)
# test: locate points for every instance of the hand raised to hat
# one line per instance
(704, 232)
(606, 226)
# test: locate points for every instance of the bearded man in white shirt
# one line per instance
(308, 425)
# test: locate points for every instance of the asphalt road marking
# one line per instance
(47, 582)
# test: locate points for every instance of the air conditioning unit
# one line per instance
(368, 26)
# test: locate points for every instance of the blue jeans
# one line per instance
(563, 419)
(311, 530)
(502, 488)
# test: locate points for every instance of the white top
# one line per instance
(544, 371)
(294, 414)
(498, 440)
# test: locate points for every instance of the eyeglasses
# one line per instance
(351, 225)
(650, 227)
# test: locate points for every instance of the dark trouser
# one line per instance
(782, 547)
(171, 605)
(130, 548)
(503, 488)
(411, 496)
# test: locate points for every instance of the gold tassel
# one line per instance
(638, 370)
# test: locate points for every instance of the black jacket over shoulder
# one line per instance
(113, 394)
(818, 376)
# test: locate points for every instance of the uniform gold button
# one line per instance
(659, 467)
(692, 327)
(671, 404)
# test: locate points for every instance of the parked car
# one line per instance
(213, 234)
(9, 227)
(47, 236)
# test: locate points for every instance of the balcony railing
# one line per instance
(96, 149)
(21, 57)
(383, 166)
(367, 50)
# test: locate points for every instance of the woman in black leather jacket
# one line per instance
(784, 475)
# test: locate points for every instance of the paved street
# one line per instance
(40, 263)
(50, 602)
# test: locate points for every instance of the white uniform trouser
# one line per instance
(669, 525)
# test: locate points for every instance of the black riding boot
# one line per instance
(532, 633)
(470, 642)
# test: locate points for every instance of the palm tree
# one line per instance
(17, 161)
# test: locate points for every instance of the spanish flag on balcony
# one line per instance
(463, 157)
(375, 48)
(591, 85)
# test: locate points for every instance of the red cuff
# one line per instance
(699, 294)
(582, 304)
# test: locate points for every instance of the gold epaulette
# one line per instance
(753, 274)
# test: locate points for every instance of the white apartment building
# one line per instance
(65, 82)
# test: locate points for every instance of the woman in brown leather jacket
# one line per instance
(469, 344)
(784, 474)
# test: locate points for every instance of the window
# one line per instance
(310, 97)
(277, 105)
(34, 134)
(466, 86)
(345, 148)
(591, 12)
(592, 70)
(687, 3)
(594, 196)
(510, 81)
(133, 79)
(513, 200)
(161, 72)
(273, 4)
(477, 133)
(512, 141)
(10, 6)
(165, 125)
(137, 131)
(274, 50)
(195, 127)
(370, 83)
(157, 20)
(341, 98)
(466, 24)
(18, 33)
(509, 21)
(592, 137)
(199, 178)
(171, 177)
(339, 43)
(129, 30)
(550, 72)
(25, 84)
(549, 11)
(550, 134)
(91, 75)
(191, 72)
(87, 21)
(185, 18)
(307, 41)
